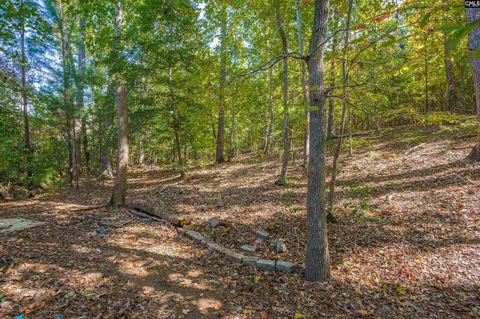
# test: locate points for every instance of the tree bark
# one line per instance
(331, 100)
(317, 259)
(306, 133)
(80, 91)
(268, 133)
(26, 126)
(120, 187)
(286, 144)
(330, 215)
(451, 87)
(220, 157)
(474, 44)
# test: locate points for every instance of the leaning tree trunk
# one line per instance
(120, 187)
(286, 144)
(331, 194)
(474, 44)
(306, 134)
(317, 259)
(220, 157)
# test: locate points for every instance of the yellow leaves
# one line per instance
(358, 291)
(364, 312)
(298, 315)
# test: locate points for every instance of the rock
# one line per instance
(102, 230)
(17, 224)
(247, 249)
(181, 230)
(250, 261)
(232, 256)
(195, 236)
(285, 266)
(278, 246)
(262, 234)
(213, 222)
(239, 309)
(212, 246)
(266, 264)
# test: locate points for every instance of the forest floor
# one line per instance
(406, 245)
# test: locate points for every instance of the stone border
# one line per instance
(238, 258)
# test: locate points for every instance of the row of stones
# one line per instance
(253, 261)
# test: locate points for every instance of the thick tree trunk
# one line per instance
(317, 259)
(474, 44)
(286, 144)
(26, 126)
(68, 101)
(220, 157)
(330, 215)
(120, 187)
(306, 134)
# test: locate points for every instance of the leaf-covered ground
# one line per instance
(406, 245)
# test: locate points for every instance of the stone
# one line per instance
(247, 249)
(278, 246)
(250, 261)
(195, 236)
(212, 246)
(181, 230)
(17, 224)
(213, 222)
(285, 266)
(262, 234)
(233, 256)
(266, 264)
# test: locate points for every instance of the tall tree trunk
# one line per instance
(176, 124)
(338, 147)
(120, 187)
(220, 157)
(317, 259)
(286, 144)
(271, 113)
(80, 91)
(427, 104)
(331, 100)
(474, 44)
(306, 134)
(68, 100)
(26, 126)
(451, 88)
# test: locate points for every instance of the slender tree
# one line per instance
(303, 82)
(330, 215)
(285, 130)
(220, 157)
(23, 66)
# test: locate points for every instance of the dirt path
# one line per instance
(407, 244)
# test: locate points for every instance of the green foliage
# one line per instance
(359, 192)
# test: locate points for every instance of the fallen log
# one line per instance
(162, 213)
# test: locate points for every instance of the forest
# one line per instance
(239, 159)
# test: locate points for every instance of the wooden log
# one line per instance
(162, 213)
